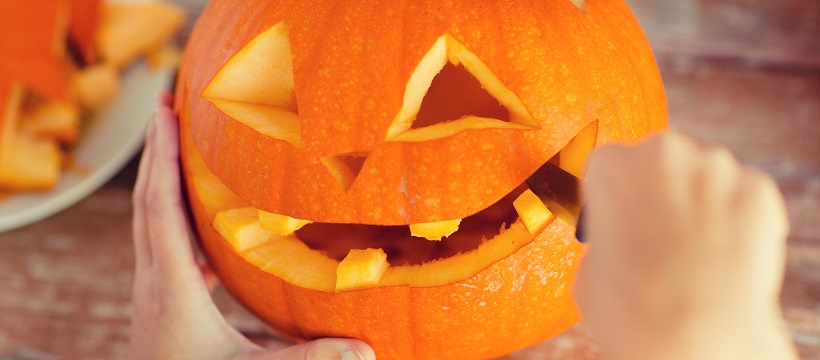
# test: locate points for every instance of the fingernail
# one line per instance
(159, 100)
(352, 354)
(162, 99)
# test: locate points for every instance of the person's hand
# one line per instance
(174, 316)
(686, 254)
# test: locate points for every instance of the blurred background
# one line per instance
(741, 73)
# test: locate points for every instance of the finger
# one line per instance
(671, 141)
(142, 249)
(165, 99)
(605, 188)
(581, 286)
(763, 229)
(713, 182)
(322, 349)
(165, 217)
(772, 200)
(211, 281)
(604, 163)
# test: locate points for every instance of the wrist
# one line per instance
(763, 337)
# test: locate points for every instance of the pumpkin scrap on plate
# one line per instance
(61, 61)
(358, 169)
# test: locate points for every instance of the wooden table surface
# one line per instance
(742, 73)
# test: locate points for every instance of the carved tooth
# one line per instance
(581, 4)
(532, 211)
(573, 157)
(240, 227)
(435, 230)
(280, 224)
(361, 268)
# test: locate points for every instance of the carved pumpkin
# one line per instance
(324, 143)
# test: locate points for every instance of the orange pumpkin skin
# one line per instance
(351, 65)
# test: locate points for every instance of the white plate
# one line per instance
(111, 139)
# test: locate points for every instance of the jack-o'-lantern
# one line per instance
(357, 169)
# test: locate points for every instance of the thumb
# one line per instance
(321, 349)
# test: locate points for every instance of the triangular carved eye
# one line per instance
(256, 88)
(452, 90)
(345, 167)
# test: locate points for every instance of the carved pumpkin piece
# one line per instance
(356, 177)
(60, 63)
(34, 55)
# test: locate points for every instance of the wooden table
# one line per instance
(745, 74)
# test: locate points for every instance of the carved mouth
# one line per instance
(401, 247)
(330, 257)
(348, 256)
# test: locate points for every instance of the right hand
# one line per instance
(686, 254)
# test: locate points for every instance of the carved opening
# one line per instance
(580, 4)
(455, 94)
(345, 167)
(452, 90)
(336, 240)
(256, 86)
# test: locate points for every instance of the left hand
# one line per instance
(174, 316)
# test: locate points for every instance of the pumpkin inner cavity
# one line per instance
(454, 94)
(452, 90)
(345, 167)
(336, 240)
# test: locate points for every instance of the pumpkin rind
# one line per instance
(567, 67)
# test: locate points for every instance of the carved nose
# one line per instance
(345, 167)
